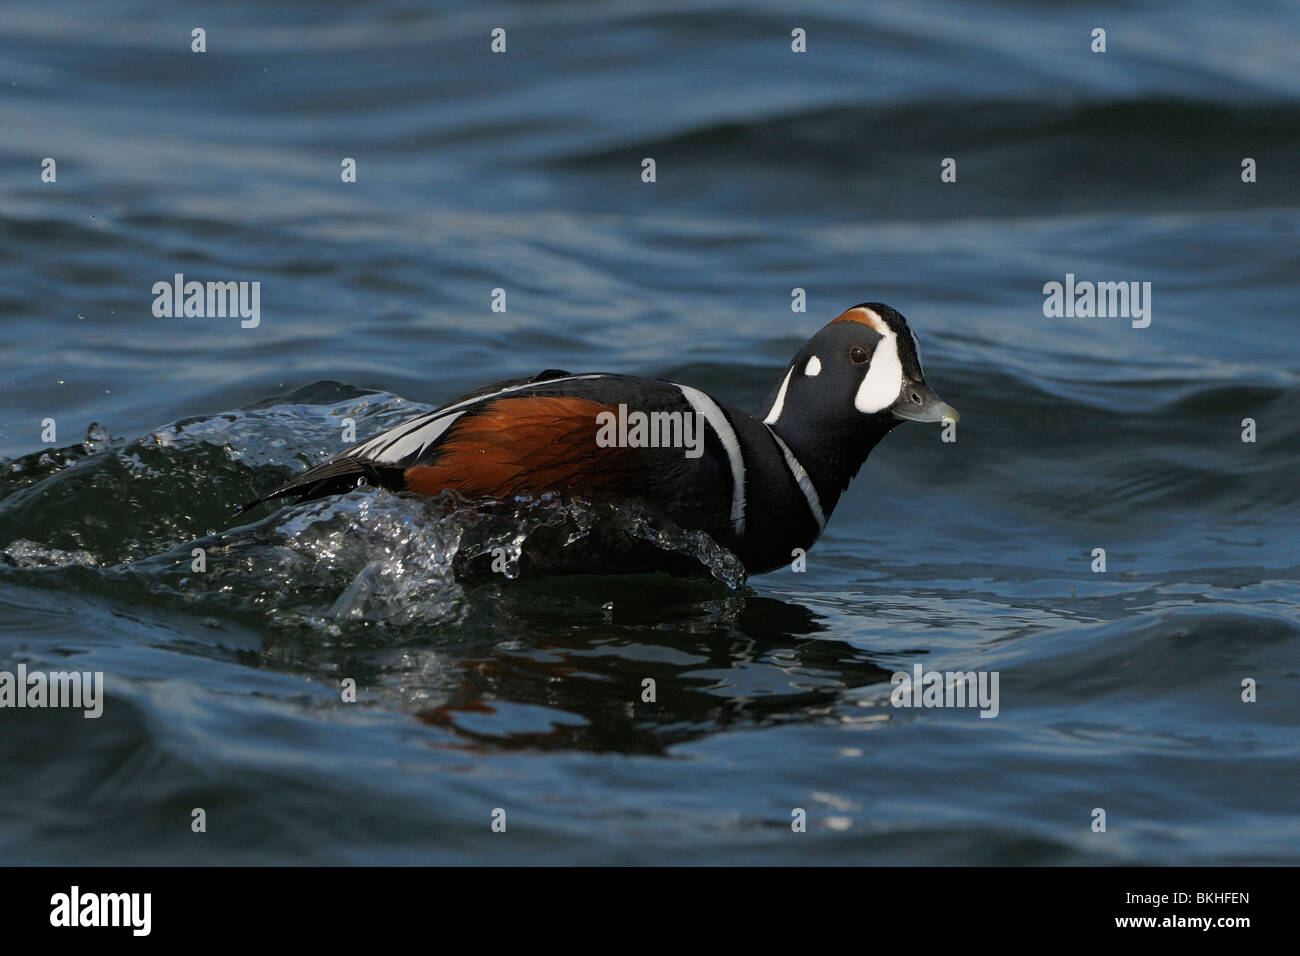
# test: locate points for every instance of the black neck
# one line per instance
(831, 451)
(834, 456)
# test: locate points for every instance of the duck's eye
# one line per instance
(858, 355)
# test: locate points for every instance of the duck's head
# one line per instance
(859, 376)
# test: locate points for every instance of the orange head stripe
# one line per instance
(521, 446)
(863, 315)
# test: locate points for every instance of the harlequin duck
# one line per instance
(761, 485)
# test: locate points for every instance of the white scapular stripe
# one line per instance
(414, 443)
(813, 368)
(804, 482)
(779, 404)
(884, 379)
(727, 435)
(408, 429)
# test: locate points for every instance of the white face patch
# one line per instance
(814, 367)
(884, 379)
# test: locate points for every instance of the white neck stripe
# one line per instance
(805, 483)
(727, 435)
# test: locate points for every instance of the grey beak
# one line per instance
(918, 404)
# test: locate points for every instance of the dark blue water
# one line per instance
(1118, 690)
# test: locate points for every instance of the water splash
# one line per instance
(152, 515)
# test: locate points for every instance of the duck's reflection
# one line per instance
(649, 665)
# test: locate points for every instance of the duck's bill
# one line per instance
(918, 404)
